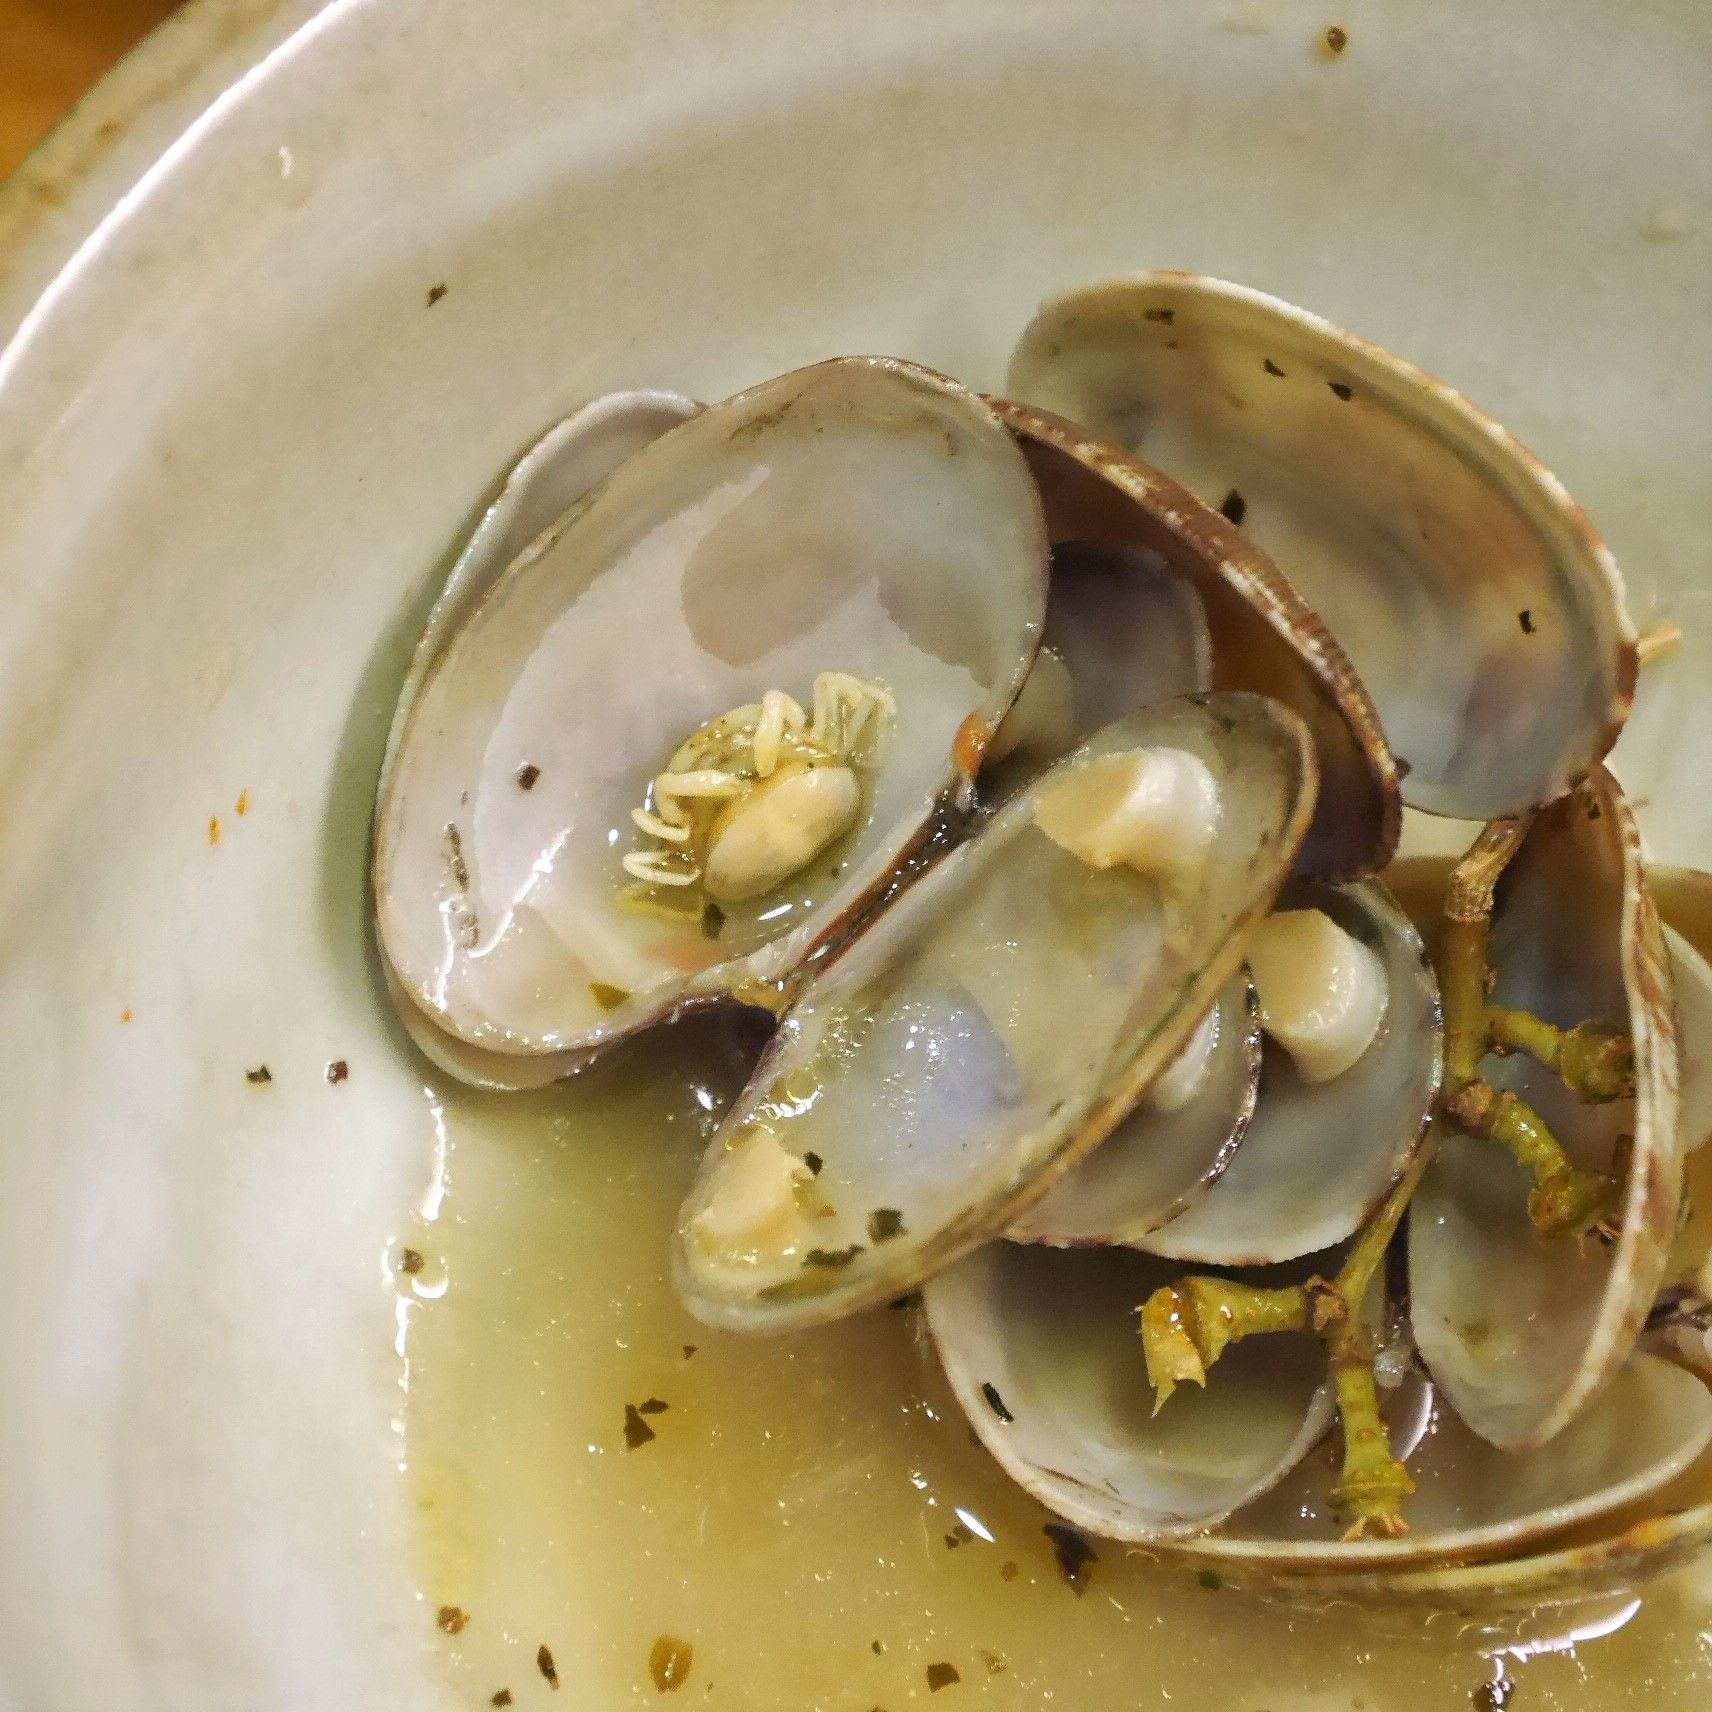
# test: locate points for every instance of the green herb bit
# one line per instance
(884, 1223)
(607, 996)
(832, 1258)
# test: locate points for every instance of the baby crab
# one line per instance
(754, 796)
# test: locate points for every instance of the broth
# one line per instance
(809, 1513)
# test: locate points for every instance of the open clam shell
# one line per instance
(1157, 1163)
(864, 516)
(1125, 630)
(1319, 1157)
(575, 455)
(1692, 978)
(1043, 1351)
(1521, 1331)
(989, 1027)
(1484, 614)
(1264, 636)
(1474, 1501)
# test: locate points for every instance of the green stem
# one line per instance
(1187, 1326)
(1564, 1198)
(1373, 1484)
(1595, 1060)
(1355, 1276)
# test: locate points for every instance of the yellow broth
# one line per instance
(809, 1516)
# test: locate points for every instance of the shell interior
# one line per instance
(1042, 1348)
(1156, 1163)
(1318, 1158)
(1520, 1331)
(1475, 1500)
(1130, 632)
(1264, 638)
(992, 1025)
(862, 516)
(1482, 611)
(572, 457)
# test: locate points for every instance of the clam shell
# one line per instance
(1521, 1331)
(1475, 1501)
(1155, 1164)
(575, 455)
(1692, 978)
(996, 1021)
(1042, 1348)
(1319, 1157)
(864, 515)
(1481, 609)
(1130, 631)
(1264, 637)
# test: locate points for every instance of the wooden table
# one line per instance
(51, 51)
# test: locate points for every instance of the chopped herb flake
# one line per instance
(1342, 389)
(814, 1163)
(875, 1648)
(1008, 1571)
(527, 775)
(669, 1663)
(435, 293)
(1525, 618)
(637, 1432)
(338, 1071)
(259, 1075)
(410, 1261)
(712, 920)
(994, 1662)
(1235, 507)
(607, 996)
(690, 1349)
(940, 1676)
(995, 1402)
(654, 1406)
(544, 1664)
(1211, 1580)
(1337, 39)
(1271, 367)
(502, 1698)
(1493, 1696)
(1164, 316)
(1072, 1551)
(884, 1223)
(960, 1535)
(830, 1259)
(452, 1618)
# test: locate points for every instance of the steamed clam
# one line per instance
(1474, 597)
(702, 720)
(1047, 815)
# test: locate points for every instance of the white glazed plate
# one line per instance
(277, 306)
